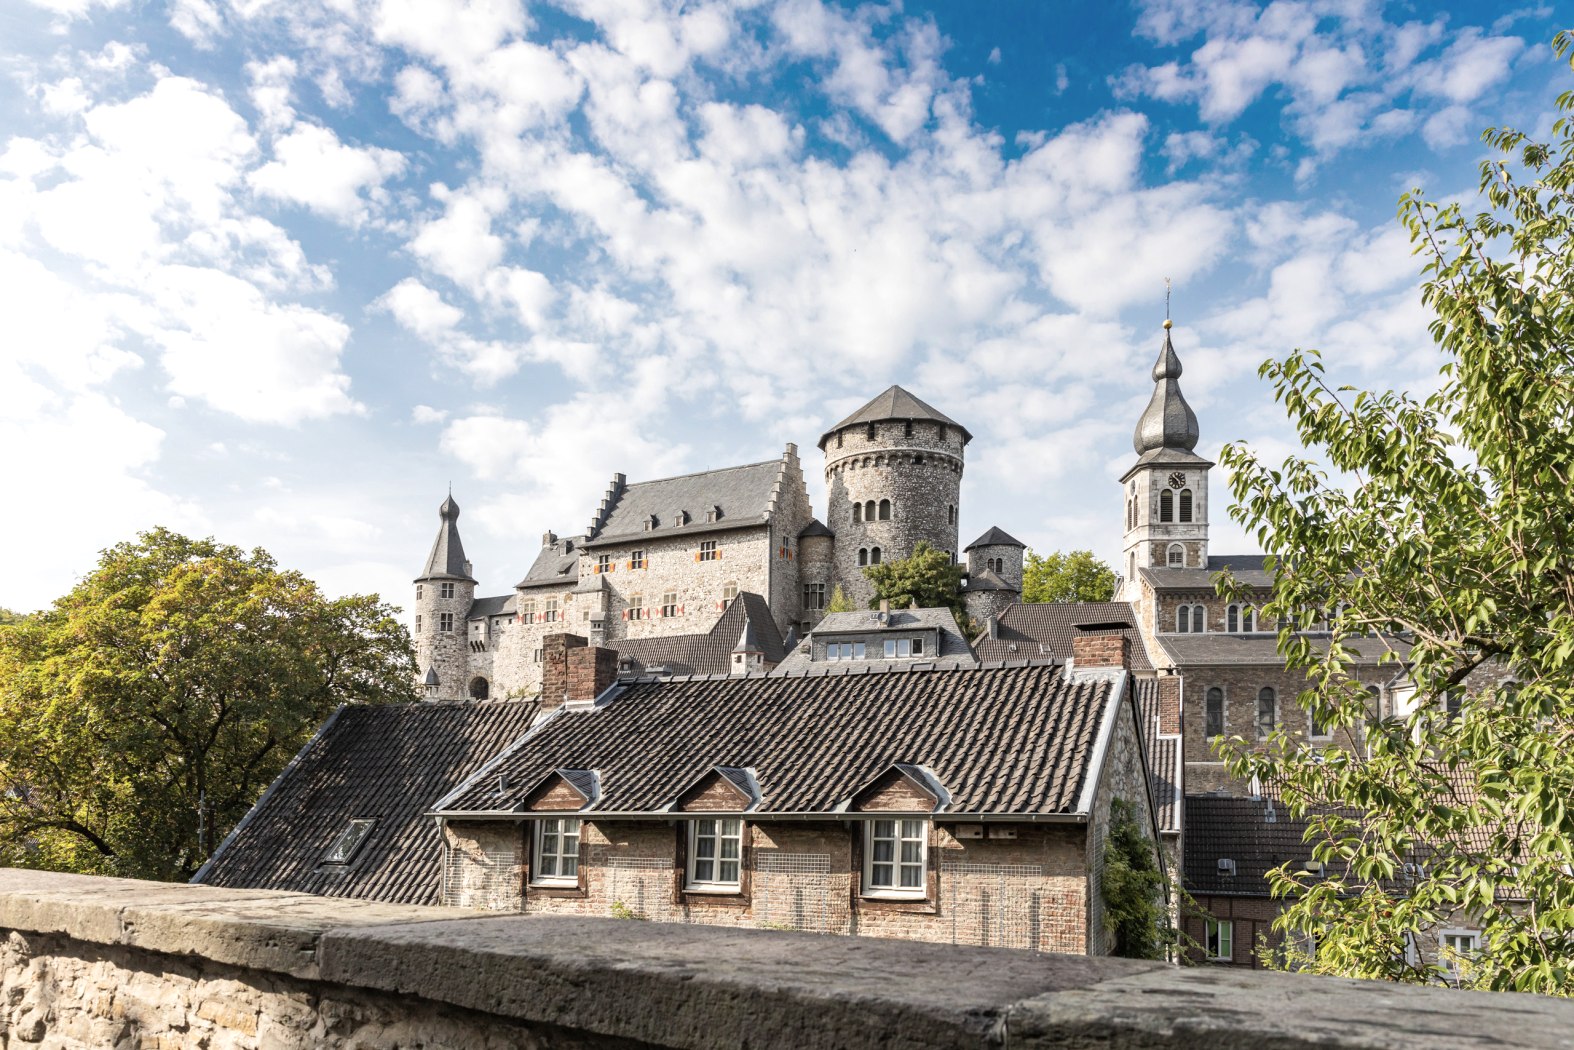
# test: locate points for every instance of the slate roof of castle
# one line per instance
(816, 527)
(1001, 740)
(709, 653)
(447, 559)
(387, 763)
(995, 537)
(866, 626)
(895, 403)
(499, 605)
(743, 494)
(1022, 628)
(987, 580)
(556, 564)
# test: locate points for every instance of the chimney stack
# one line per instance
(1091, 649)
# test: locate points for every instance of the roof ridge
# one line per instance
(699, 473)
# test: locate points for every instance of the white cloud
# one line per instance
(313, 168)
(197, 20)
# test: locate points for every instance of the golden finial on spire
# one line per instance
(1167, 303)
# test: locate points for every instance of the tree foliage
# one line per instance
(926, 578)
(143, 713)
(1133, 887)
(839, 601)
(1450, 527)
(1076, 576)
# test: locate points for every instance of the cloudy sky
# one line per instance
(280, 271)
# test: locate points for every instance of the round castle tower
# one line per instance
(994, 573)
(893, 476)
(444, 592)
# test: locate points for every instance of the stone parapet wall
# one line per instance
(88, 962)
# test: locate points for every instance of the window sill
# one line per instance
(716, 898)
(714, 891)
(562, 889)
(898, 905)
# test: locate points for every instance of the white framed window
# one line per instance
(730, 591)
(669, 603)
(555, 859)
(844, 650)
(417, 623)
(1456, 947)
(636, 559)
(715, 854)
(550, 615)
(1218, 940)
(896, 854)
(603, 563)
(527, 612)
(419, 590)
(636, 606)
(899, 647)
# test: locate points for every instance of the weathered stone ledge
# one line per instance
(604, 982)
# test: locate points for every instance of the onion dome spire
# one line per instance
(1168, 421)
(447, 560)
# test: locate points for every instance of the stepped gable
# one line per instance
(995, 537)
(385, 763)
(1007, 741)
(744, 495)
(895, 403)
(709, 653)
(1045, 631)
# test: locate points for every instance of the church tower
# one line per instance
(893, 475)
(444, 593)
(1166, 490)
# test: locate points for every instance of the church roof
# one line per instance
(447, 560)
(995, 537)
(1168, 422)
(742, 494)
(896, 403)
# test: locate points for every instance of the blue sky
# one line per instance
(280, 272)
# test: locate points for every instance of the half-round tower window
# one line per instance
(480, 688)
(1185, 504)
(1166, 505)
(874, 555)
(885, 510)
(1176, 555)
(863, 555)
(858, 513)
(869, 510)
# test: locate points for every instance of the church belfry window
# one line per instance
(1185, 504)
(1175, 557)
(1166, 505)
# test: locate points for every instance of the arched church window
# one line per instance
(858, 513)
(1232, 619)
(1265, 711)
(1215, 712)
(1185, 504)
(885, 510)
(1166, 505)
(1175, 557)
(863, 555)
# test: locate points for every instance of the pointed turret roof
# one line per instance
(1168, 422)
(748, 641)
(995, 537)
(447, 560)
(896, 403)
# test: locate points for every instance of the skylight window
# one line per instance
(349, 842)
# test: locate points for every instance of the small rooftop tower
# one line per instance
(444, 592)
(748, 655)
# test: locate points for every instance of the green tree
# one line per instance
(1072, 577)
(926, 578)
(1445, 521)
(1132, 887)
(143, 713)
(839, 601)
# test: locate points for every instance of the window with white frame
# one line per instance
(417, 623)
(419, 590)
(556, 855)
(898, 647)
(445, 621)
(715, 854)
(1456, 949)
(527, 612)
(636, 606)
(636, 559)
(1219, 940)
(669, 603)
(603, 563)
(844, 650)
(895, 855)
(550, 615)
(730, 591)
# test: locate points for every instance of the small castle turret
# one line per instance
(444, 592)
(994, 573)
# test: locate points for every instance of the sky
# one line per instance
(283, 271)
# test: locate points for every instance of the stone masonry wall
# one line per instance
(87, 962)
(1124, 777)
(447, 652)
(790, 515)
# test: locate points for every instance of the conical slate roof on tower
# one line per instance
(898, 404)
(447, 560)
(1168, 422)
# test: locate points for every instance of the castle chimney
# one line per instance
(548, 538)
(1091, 649)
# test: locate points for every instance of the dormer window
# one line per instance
(713, 515)
(650, 522)
(680, 517)
(349, 842)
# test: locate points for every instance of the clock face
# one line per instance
(1177, 480)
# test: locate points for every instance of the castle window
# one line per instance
(445, 621)
(1166, 505)
(708, 551)
(869, 510)
(556, 860)
(715, 853)
(838, 439)
(603, 563)
(874, 555)
(636, 559)
(480, 688)
(863, 555)
(1215, 712)
(885, 510)
(729, 592)
(813, 597)
(858, 513)
(869, 433)
(1185, 504)
(417, 623)
(669, 604)
(418, 591)
(1176, 556)
(907, 429)
(445, 590)
(550, 615)
(1266, 711)
(950, 513)
(636, 606)
(895, 858)
(713, 515)
(538, 654)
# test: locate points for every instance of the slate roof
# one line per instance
(1004, 740)
(986, 580)
(387, 763)
(816, 527)
(995, 537)
(1168, 422)
(447, 560)
(1023, 628)
(1164, 760)
(501, 605)
(1211, 650)
(1247, 568)
(895, 403)
(557, 564)
(953, 648)
(1239, 829)
(743, 494)
(709, 653)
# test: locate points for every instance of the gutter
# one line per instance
(765, 818)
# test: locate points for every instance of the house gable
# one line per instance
(901, 789)
(723, 789)
(564, 791)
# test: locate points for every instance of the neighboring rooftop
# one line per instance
(1046, 631)
(386, 764)
(1215, 649)
(738, 496)
(1004, 740)
(1256, 834)
(950, 648)
(995, 537)
(1246, 568)
(704, 654)
(895, 403)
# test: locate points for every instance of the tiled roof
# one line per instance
(953, 648)
(896, 403)
(743, 494)
(1022, 629)
(1165, 763)
(995, 537)
(502, 604)
(711, 652)
(1002, 740)
(1206, 650)
(385, 763)
(555, 564)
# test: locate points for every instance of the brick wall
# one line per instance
(591, 670)
(1100, 650)
(555, 667)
